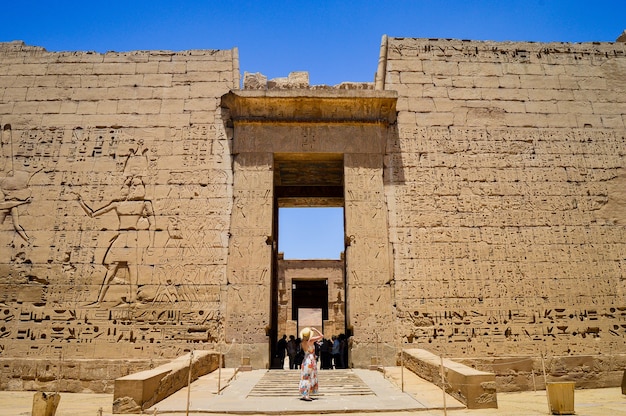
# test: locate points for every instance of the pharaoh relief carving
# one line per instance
(14, 185)
(135, 214)
(14, 192)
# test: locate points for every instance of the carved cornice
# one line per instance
(311, 106)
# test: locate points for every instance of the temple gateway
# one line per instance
(483, 188)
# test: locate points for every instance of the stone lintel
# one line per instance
(311, 106)
(326, 139)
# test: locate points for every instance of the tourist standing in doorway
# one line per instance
(292, 350)
(325, 357)
(299, 353)
(281, 348)
(308, 372)
(336, 352)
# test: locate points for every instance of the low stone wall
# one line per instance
(526, 373)
(475, 388)
(139, 391)
(68, 375)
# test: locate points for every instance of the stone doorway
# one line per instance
(308, 148)
(300, 286)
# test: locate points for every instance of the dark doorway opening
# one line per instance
(309, 294)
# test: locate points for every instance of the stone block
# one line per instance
(613, 122)
(415, 78)
(87, 107)
(476, 389)
(574, 107)
(101, 81)
(421, 105)
(432, 91)
(145, 388)
(172, 106)
(111, 68)
(464, 93)
(434, 67)
(45, 404)
(561, 398)
(540, 82)
(107, 107)
(536, 94)
(14, 94)
(434, 119)
(157, 80)
(479, 70)
(147, 67)
(170, 67)
(511, 94)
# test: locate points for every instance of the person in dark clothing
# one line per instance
(336, 352)
(292, 350)
(325, 357)
(299, 353)
(343, 342)
(281, 348)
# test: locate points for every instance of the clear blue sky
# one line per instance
(334, 40)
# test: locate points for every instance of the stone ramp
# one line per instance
(276, 392)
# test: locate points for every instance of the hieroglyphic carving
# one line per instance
(121, 255)
(250, 248)
(367, 254)
(467, 282)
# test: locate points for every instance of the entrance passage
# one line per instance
(308, 287)
(309, 303)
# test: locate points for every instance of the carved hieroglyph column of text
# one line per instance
(249, 259)
(368, 271)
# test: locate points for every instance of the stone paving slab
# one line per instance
(236, 398)
(588, 402)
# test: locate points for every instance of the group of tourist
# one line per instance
(303, 353)
(331, 353)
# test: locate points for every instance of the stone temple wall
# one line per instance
(506, 187)
(117, 189)
(504, 182)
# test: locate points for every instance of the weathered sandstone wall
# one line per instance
(506, 187)
(117, 189)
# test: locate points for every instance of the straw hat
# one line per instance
(305, 333)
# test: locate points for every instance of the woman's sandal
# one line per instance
(306, 399)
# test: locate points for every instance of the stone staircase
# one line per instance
(284, 383)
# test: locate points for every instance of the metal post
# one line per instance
(443, 386)
(543, 367)
(219, 370)
(189, 382)
(402, 368)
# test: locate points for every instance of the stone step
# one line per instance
(279, 383)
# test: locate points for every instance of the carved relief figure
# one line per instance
(133, 211)
(14, 192)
